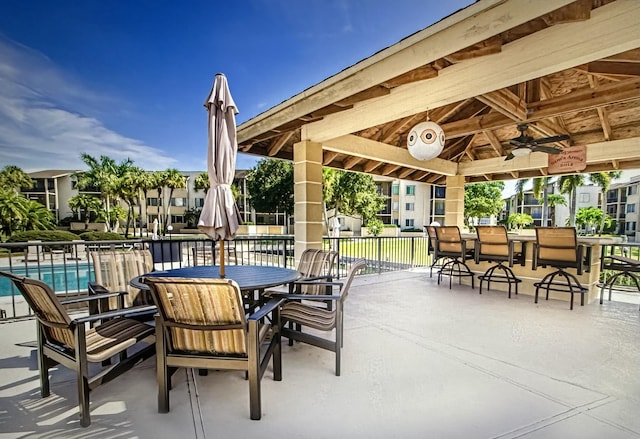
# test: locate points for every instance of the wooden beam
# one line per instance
(372, 150)
(612, 29)
(350, 162)
(614, 68)
(278, 143)
(577, 11)
(625, 149)
(328, 157)
(371, 165)
(494, 142)
(388, 169)
(506, 103)
(580, 100)
(602, 112)
(475, 23)
(404, 174)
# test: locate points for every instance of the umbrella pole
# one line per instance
(222, 259)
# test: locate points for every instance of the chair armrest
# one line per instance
(136, 310)
(266, 309)
(96, 289)
(307, 297)
(91, 297)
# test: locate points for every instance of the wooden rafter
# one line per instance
(350, 162)
(328, 157)
(278, 143)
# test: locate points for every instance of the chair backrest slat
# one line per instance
(356, 266)
(493, 240)
(557, 243)
(206, 303)
(449, 239)
(114, 269)
(315, 262)
(45, 304)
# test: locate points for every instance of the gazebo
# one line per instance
(559, 66)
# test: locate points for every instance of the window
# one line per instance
(632, 190)
(395, 189)
(630, 226)
(411, 189)
(631, 208)
(396, 206)
(409, 206)
(584, 197)
(395, 221)
(439, 192)
(177, 219)
(179, 202)
(408, 223)
(154, 201)
(199, 202)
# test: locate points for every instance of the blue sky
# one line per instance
(128, 79)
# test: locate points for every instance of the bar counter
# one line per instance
(593, 249)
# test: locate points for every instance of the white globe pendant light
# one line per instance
(425, 140)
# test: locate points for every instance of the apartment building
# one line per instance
(623, 206)
(410, 205)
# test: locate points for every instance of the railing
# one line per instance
(627, 250)
(67, 267)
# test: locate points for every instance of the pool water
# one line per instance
(59, 277)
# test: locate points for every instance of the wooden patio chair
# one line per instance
(302, 310)
(66, 341)
(114, 269)
(201, 324)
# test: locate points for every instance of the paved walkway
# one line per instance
(420, 361)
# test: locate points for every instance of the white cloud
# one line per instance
(46, 121)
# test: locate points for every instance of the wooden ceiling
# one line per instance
(567, 67)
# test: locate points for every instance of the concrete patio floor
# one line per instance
(420, 361)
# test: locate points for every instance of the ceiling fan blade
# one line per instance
(547, 149)
(552, 139)
(517, 143)
(510, 156)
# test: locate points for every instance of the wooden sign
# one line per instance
(572, 159)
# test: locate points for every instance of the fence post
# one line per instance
(379, 240)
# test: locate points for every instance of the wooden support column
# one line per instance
(454, 201)
(307, 178)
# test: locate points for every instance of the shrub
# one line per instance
(101, 236)
(44, 236)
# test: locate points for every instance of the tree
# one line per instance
(603, 181)
(146, 181)
(38, 217)
(202, 183)
(590, 217)
(270, 186)
(103, 174)
(352, 193)
(127, 187)
(13, 210)
(12, 177)
(482, 200)
(173, 179)
(519, 220)
(85, 204)
(569, 184)
(554, 200)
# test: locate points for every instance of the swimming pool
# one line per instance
(61, 278)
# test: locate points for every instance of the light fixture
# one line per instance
(521, 152)
(425, 140)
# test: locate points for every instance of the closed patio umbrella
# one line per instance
(219, 217)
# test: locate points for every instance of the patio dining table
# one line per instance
(253, 280)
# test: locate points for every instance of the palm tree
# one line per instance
(13, 210)
(158, 180)
(603, 181)
(12, 177)
(541, 193)
(38, 217)
(554, 200)
(127, 188)
(86, 204)
(103, 174)
(146, 182)
(202, 182)
(173, 180)
(569, 184)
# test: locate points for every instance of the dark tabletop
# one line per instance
(248, 277)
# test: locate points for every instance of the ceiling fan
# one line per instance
(524, 143)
